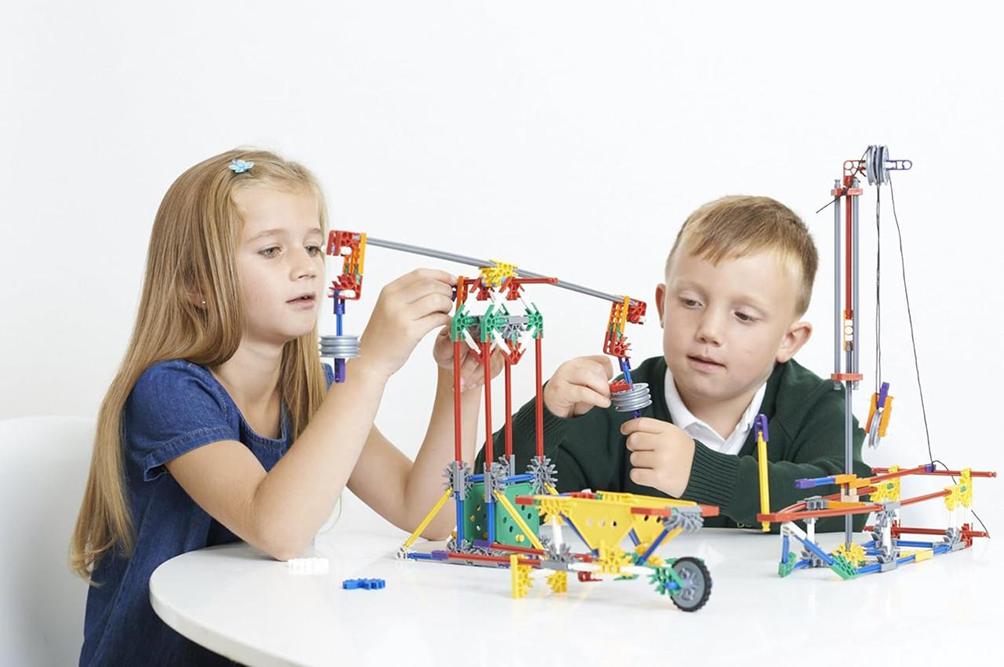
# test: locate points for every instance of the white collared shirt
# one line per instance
(699, 430)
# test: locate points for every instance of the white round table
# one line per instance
(240, 603)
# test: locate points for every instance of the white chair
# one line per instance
(42, 475)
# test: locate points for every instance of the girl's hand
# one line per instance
(408, 308)
(472, 374)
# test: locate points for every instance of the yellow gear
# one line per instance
(853, 554)
(888, 489)
(966, 488)
(494, 275)
(611, 560)
(953, 498)
(558, 581)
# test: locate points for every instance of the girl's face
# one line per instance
(280, 262)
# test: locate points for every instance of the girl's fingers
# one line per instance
(424, 325)
(428, 304)
(434, 274)
(415, 291)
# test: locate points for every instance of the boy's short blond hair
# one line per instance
(737, 226)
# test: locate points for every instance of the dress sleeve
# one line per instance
(174, 408)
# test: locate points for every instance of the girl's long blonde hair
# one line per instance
(191, 258)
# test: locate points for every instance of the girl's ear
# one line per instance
(196, 299)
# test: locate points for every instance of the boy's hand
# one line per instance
(407, 309)
(472, 374)
(578, 386)
(661, 454)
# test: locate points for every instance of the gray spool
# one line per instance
(630, 400)
(340, 347)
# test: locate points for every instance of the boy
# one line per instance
(737, 282)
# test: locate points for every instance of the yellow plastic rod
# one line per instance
(514, 515)
(761, 452)
(427, 520)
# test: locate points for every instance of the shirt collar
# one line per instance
(684, 418)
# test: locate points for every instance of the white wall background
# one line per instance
(571, 138)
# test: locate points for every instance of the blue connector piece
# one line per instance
(626, 370)
(368, 584)
(883, 394)
(760, 426)
(811, 482)
(339, 312)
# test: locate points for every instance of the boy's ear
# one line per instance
(795, 337)
(660, 303)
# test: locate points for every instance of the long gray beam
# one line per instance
(482, 263)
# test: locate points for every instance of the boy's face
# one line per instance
(280, 261)
(725, 325)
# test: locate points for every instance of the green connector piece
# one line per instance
(460, 323)
(843, 567)
(785, 567)
(535, 322)
(491, 322)
(662, 578)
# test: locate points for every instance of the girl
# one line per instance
(219, 425)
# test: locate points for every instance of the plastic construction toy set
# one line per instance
(500, 511)
(882, 549)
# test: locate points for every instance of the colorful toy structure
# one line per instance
(883, 549)
(498, 510)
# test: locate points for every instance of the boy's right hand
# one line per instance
(407, 309)
(578, 386)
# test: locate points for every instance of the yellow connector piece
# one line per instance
(495, 274)
(761, 452)
(886, 490)
(966, 488)
(558, 582)
(520, 577)
(886, 414)
(427, 520)
(612, 559)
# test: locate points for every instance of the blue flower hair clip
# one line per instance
(240, 166)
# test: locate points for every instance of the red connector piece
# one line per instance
(351, 247)
(636, 312)
(515, 355)
(618, 386)
(484, 291)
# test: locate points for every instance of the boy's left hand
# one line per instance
(472, 374)
(661, 454)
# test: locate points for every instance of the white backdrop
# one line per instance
(571, 138)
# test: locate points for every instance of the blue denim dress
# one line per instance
(175, 407)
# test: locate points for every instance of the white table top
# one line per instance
(240, 603)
